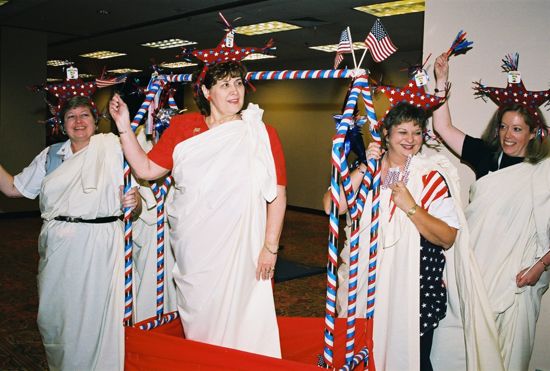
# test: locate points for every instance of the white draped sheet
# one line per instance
(223, 179)
(509, 224)
(397, 299)
(80, 273)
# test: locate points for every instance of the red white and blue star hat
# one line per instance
(226, 51)
(59, 93)
(516, 93)
(414, 92)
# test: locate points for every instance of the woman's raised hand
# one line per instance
(441, 68)
(119, 112)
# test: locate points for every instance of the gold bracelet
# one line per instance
(272, 252)
(412, 210)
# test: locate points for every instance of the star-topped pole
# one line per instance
(516, 93)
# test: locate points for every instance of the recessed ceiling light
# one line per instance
(169, 43)
(177, 64)
(124, 70)
(393, 8)
(332, 47)
(266, 27)
(58, 62)
(255, 56)
(103, 54)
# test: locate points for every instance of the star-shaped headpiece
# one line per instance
(226, 51)
(516, 93)
(413, 93)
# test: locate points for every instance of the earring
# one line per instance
(209, 99)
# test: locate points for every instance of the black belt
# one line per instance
(105, 219)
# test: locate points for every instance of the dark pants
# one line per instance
(425, 349)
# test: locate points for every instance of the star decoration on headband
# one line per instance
(71, 88)
(516, 93)
(413, 93)
(227, 50)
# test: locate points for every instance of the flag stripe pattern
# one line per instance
(435, 188)
(103, 83)
(379, 43)
(344, 46)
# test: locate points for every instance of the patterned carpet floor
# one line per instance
(304, 241)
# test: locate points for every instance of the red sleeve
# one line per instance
(278, 155)
(181, 127)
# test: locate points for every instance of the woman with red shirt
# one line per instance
(226, 214)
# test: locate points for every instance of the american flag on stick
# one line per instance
(103, 83)
(343, 47)
(379, 43)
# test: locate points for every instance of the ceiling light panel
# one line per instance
(177, 64)
(124, 70)
(266, 27)
(332, 47)
(393, 8)
(168, 43)
(58, 62)
(103, 54)
(256, 56)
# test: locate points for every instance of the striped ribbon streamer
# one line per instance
(149, 96)
(128, 297)
(332, 264)
(167, 318)
(359, 84)
(340, 170)
(275, 75)
(375, 167)
(361, 357)
(160, 196)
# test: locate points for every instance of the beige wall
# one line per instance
(22, 64)
(497, 28)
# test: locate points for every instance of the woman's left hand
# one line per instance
(129, 199)
(266, 265)
(531, 278)
(402, 197)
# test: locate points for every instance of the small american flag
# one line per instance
(103, 83)
(379, 43)
(343, 47)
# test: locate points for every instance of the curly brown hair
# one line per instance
(214, 74)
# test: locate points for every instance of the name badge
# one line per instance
(229, 39)
(514, 77)
(421, 78)
(72, 73)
